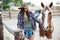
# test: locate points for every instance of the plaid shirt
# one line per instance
(33, 18)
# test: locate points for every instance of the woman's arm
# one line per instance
(19, 21)
(34, 18)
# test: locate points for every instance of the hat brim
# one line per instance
(19, 8)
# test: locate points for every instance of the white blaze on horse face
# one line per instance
(46, 19)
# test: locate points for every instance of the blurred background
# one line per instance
(12, 5)
(9, 9)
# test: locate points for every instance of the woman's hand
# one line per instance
(20, 29)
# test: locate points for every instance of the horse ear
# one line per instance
(51, 4)
(42, 4)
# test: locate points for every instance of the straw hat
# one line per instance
(24, 5)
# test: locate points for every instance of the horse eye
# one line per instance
(49, 12)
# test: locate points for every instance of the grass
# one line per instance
(7, 38)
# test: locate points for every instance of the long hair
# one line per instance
(22, 13)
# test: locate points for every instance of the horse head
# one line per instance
(46, 15)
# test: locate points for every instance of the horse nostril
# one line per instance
(47, 27)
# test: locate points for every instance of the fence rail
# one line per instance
(13, 14)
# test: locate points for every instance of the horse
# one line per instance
(45, 26)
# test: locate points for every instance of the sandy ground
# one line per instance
(13, 24)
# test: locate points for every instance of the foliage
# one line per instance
(29, 3)
(18, 2)
(6, 3)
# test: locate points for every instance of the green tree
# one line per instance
(18, 2)
(12, 0)
(6, 4)
(29, 3)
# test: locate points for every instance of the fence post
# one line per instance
(1, 28)
(9, 14)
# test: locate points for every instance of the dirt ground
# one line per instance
(13, 24)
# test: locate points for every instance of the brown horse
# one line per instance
(45, 25)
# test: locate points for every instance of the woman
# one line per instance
(26, 21)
